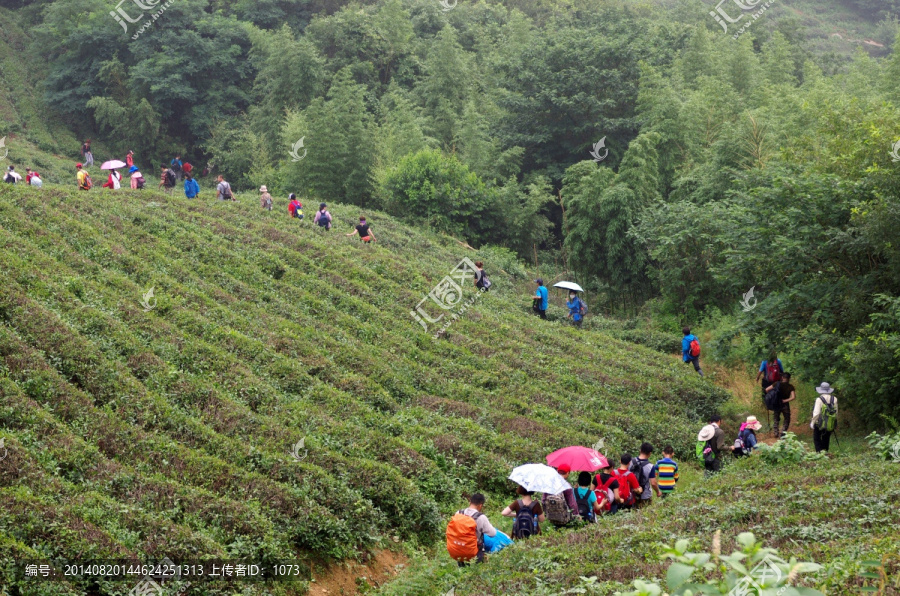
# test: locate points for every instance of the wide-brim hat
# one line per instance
(263, 188)
(753, 423)
(825, 388)
(706, 433)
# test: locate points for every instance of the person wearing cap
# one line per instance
(747, 442)
(363, 230)
(713, 433)
(323, 218)
(84, 180)
(787, 394)
(295, 207)
(265, 199)
(568, 494)
(540, 299)
(822, 437)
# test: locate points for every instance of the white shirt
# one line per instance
(817, 409)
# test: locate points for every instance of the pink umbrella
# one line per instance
(582, 459)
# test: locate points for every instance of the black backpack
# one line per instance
(323, 220)
(584, 506)
(525, 524)
(484, 283)
(773, 398)
(170, 177)
(637, 468)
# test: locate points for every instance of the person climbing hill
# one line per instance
(323, 218)
(363, 230)
(690, 349)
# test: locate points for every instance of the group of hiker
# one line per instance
(575, 304)
(32, 178)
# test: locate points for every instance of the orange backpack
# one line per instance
(462, 536)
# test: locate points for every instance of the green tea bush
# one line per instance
(788, 450)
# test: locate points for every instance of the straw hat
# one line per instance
(263, 188)
(753, 423)
(706, 433)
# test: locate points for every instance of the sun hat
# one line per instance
(753, 423)
(706, 433)
(132, 169)
(78, 165)
(263, 188)
(825, 388)
(563, 468)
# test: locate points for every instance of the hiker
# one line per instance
(187, 168)
(12, 176)
(323, 218)
(770, 372)
(295, 207)
(585, 498)
(644, 470)
(577, 308)
(83, 178)
(710, 442)
(265, 199)
(690, 349)
(824, 417)
(629, 489)
(540, 299)
(667, 472)
(191, 188)
(137, 179)
(167, 179)
(363, 230)
(86, 154)
(481, 278)
(129, 158)
(223, 190)
(786, 394)
(465, 537)
(176, 165)
(607, 487)
(746, 440)
(527, 512)
(36, 180)
(561, 508)
(28, 175)
(114, 182)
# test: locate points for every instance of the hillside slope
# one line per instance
(169, 432)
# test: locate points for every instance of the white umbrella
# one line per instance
(539, 478)
(112, 164)
(569, 285)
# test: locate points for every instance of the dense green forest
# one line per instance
(756, 162)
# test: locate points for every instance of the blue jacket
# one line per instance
(686, 346)
(574, 307)
(191, 188)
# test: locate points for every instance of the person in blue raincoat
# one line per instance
(576, 308)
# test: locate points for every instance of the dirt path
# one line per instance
(354, 577)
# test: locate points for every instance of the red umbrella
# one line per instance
(582, 459)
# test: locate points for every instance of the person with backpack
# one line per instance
(481, 279)
(223, 190)
(690, 349)
(114, 182)
(167, 179)
(466, 532)
(667, 472)
(175, 166)
(561, 509)
(746, 440)
(295, 207)
(710, 443)
(527, 514)
(586, 500)
(137, 179)
(191, 188)
(786, 393)
(645, 472)
(187, 168)
(629, 488)
(824, 417)
(607, 488)
(362, 229)
(577, 308)
(770, 372)
(12, 176)
(265, 199)
(83, 178)
(86, 154)
(323, 218)
(28, 174)
(540, 299)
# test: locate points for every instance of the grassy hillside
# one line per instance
(168, 432)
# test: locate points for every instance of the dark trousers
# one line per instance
(536, 307)
(695, 360)
(713, 466)
(786, 412)
(821, 439)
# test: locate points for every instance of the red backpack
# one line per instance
(604, 491)
(773, 373)
(624, 487)
(694, 348)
